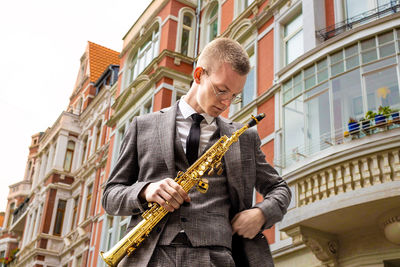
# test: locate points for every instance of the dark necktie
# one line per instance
(192, 141)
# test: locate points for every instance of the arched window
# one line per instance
(187, 34)
(142, 57)
(69, 155)
(212, 22)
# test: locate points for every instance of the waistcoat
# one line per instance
(205, 220)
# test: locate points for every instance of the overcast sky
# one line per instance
(41, 43)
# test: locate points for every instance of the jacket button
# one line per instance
(184, 220)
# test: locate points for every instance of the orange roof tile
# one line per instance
(100, 58)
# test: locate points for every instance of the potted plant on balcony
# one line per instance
(366, 123)
(395, 116)
(353, 126)
(383, 114)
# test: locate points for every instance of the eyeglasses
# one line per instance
(224, 95)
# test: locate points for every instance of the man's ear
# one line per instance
(198, 71)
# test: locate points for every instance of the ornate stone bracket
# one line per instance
(325, 246)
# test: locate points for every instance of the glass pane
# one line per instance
(336, 57)
(387, 50)
(187, 20)
(346, 89)
(309, 82)
(386, 37)
(213, 30)
(380, 64)
(352, 62)
(214, 11)
(287, 85)
(318, 123)
(316, 90)
(369, 56)
(337, 68)
(68, 161)
(248, 90)
(287, 96)
(294, 47)
(382, 89)
(294, 130)
(185, 42)
(297, 89)
(323, 75)
(354, 7)
(352, 50)
(309, 71)
(367, 44)
(122, 231)
(322, 64)
(294, 25)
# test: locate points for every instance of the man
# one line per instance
(201, 229)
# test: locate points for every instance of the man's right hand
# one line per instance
(167, 193)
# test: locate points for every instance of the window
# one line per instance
(98, 134)
(78, 261)
(10, 214)
(147, 108)
(187, 36)
(75, 212)
(109, 242)
(88, 200)
(85, 140)
(382, 88)
(293, 39)
(141, 58)
(212, 22)
(69, 155)
(241, 6)
(320, 99)
(249, 89)
(58, 223)
(355, 11)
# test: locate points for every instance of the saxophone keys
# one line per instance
(220, 171)
(202, 185)
(211, 171)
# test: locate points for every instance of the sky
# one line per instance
(41, 43)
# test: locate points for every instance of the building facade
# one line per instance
(316, 67)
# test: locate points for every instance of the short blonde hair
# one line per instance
(224, 50)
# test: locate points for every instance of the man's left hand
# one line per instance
(248, 223)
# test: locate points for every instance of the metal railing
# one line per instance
(350, 23)
(18, 212)
(339, 136)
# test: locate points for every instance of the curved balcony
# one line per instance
(345, 194)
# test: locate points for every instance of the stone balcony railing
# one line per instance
(346, 187)
(377, 168)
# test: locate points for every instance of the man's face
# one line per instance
(217, 89)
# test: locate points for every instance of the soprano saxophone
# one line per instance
(209, 161)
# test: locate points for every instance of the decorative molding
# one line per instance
(325, 246)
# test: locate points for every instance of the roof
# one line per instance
(100, 58)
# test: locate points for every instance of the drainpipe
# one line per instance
(196, 41)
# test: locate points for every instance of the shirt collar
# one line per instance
(187, 111)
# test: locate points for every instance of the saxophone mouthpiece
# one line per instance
(255, 120)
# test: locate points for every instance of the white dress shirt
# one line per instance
(184, 121)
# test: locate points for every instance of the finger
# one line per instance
(235, 218)
(182, 194)
(169, 203)
(173, 190)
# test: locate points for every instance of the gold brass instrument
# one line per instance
(209, 161)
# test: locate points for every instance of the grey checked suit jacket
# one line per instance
(147, 155)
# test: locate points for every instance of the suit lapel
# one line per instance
(166, 135)
(233, 165)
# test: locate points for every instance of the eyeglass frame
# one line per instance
(235, 99)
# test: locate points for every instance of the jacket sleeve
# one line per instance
(272, 187)
(121, 192)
